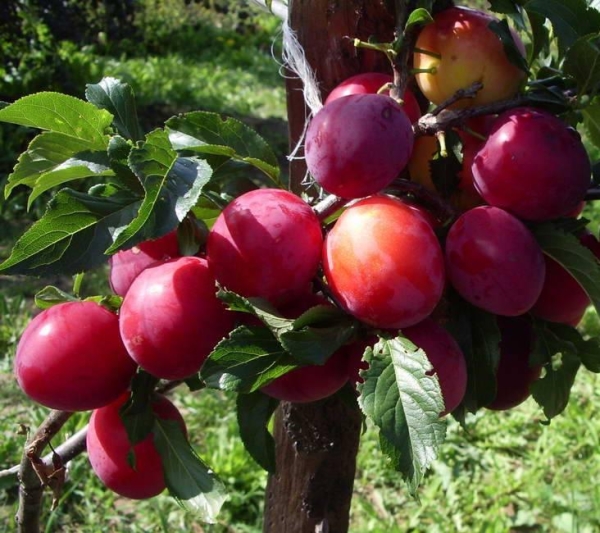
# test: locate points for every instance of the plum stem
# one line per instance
(427, 52)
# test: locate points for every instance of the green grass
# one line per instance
(506, 472)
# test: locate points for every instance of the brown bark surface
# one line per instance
(317, 443)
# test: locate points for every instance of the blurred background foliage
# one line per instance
(178, 55)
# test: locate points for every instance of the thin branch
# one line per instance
(403, 59)
(434, 203)
(34, 476)
(329, 205)
(592, 194)
(432, 123)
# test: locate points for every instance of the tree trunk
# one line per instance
(317, 443)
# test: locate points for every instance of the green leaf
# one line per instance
(540, 35)
(591, 121)
(419, 17)
(553, 338)
(189, 480)
(510, 8)
(50, 296)
(54, 158)
(570, 19)
(136, 413)
(311, 338)
(72, 236)
(258, 307)
(550, 339)
(172, 186)
(578, 260)
(254, 411)
(208, 133)
(404, 401)
(582, 62)
(82, 165)
(502, 30)
(250, 358)
(62, 114)
(553, 389)
(117, 98)
(118, 156)
(478, 336)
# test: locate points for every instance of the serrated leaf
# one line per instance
(478, 336)
(72, 236)
(404, 401)
(189, 480)
(82, 165)
(172, 186)
(253, 414)
(570, 19)
(502, 30)
(209, 133)
(582, 62)
(250, 358)
(61, 113)
(418, 17)
(118, 99)
(50, 296)
(578, 260)
(591, 121)
(50, 153)
(552, 391)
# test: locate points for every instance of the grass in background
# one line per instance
(507, 472)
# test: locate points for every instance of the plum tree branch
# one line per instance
(34, 474)
(592, 194)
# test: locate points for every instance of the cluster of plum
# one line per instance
(380, 260)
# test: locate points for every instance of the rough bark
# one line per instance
(317, 443)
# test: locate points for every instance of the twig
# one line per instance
(592, 194)
(67, 451)
(445, 119)
(403, 59)
(461, 94)
(74, 445)
(434, 203)
(33, 476)
(329, 205)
